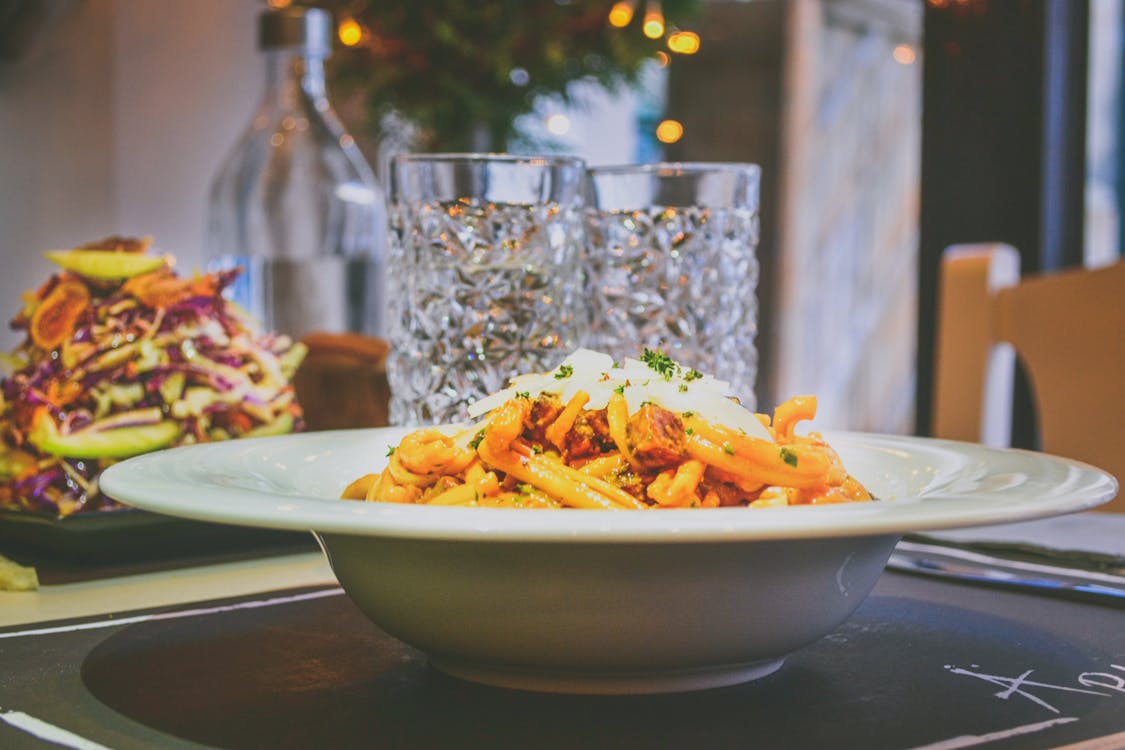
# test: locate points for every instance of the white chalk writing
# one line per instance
(1107, 680)
(1031, 690)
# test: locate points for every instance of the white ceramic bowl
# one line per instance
(599, 601)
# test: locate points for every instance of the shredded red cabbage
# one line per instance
(195, 359)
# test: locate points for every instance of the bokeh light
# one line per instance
(350, 32)
(621, 14)
(653, 26)
(684, 42)
(669, 131)
(558, 124)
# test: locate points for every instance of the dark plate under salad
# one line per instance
(84, 543)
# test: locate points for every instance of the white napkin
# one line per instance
(1089, 538)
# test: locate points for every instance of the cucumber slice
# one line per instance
(105, 265)
(122, 442)
(283, 425)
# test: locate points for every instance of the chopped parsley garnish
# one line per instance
(788, 456)
(523, 394)
(475, 442)
(683, 387)
(565, 371)
(390, 451)
(659, 361)
(689, 431)
(688, 414)
(728, 449)
(620, 390)
(692, 374)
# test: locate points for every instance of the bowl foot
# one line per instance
(607, 683)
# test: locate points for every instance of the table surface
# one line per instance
(163, 588)
(269, 652)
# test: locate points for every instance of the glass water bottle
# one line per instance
(294, 204)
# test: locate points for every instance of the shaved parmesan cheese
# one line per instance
(678, 389)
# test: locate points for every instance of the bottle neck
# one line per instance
(292, 75)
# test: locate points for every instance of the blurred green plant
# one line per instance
(463, 71)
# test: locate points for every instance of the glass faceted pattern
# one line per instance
(482, 291)
(679, 279)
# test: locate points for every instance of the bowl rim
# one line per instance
(985, 485)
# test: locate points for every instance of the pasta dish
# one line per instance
(596, 435)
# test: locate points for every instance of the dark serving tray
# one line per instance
(127, 534)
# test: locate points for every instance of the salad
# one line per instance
(123, 356)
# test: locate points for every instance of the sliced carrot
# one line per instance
(162, 289)
(55, 318)
(154, 289)
(204, 286)
(240, 422)
(63, 393)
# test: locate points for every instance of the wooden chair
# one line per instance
(1068, 329)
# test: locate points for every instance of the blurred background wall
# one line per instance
(115, 114)
(827, 97)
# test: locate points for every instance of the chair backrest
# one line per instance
(1067, 328)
